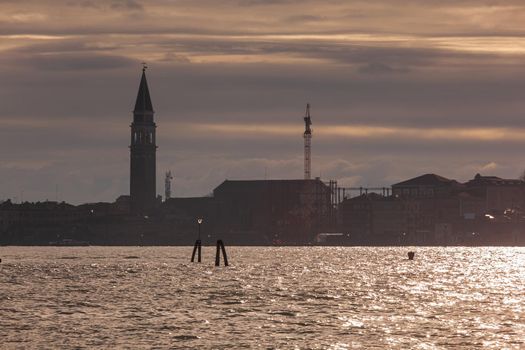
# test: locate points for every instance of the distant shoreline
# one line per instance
(210, 244)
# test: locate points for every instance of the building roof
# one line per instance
(143, 103)
(427, 180)
(250, 185)
(480, 180)
(46, 205)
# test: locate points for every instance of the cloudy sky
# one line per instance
(398, 88)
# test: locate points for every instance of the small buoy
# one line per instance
(411, 255)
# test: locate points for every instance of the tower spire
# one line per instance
(143, 102)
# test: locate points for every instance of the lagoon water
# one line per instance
(269, 298)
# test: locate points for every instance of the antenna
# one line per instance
(307, 144)
(144, 66)
(167, 185)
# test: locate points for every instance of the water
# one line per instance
(269, 298)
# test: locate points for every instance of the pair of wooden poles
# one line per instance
(220, 247)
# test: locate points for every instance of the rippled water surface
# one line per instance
(270, 298)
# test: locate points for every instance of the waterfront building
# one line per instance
(425, 186)
(272, 211)
(498, 194)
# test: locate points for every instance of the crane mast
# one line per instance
(307, 144)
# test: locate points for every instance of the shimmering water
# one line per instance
(270, 298)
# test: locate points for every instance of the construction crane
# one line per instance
(167, 185)
(307, 144)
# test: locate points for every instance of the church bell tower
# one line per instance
(143, 152)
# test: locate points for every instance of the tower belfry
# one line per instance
(143, 152)
(307, 144)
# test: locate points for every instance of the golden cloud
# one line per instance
(491, 134)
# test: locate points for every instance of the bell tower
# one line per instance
(143, 152)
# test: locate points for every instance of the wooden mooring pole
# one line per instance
(196, 249)
(220, 247)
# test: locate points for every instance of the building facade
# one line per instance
(272, 211)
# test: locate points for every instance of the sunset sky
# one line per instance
(397, 88)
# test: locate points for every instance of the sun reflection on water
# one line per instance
(314, 297)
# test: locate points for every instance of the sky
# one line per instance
(398, 88)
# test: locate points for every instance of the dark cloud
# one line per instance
(380, 68)
(370, 58)
(266, 17)
(113, 4)
(127, 4)
(305, 18)
(175, 58)
(258, 92)
(264, 2)
(379, 57)
(65, 46)
(83, 3)
(77, 62)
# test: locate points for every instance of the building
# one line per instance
(272, 211)
(425, 186)
(498, 194)
(36, 223)
(143, 153)
(438, 206)
(372, 219)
